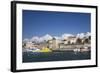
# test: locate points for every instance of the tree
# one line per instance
(54, 38)
(89, 37)
(72, 43)
(69, 42)
(86, 40)
(78, 41)
(24, 45)
(48, 41)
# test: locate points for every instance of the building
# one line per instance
(53, 44)
(69, 40)
(30, 45)
(69, 43)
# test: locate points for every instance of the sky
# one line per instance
(39, 23)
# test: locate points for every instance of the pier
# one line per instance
(85, 47)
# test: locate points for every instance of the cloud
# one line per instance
(26, 40)
(88, 34)
(65, 36)
(41, 39)
(82, 35)
(46, 37)
(34, 39)
(57, 37)
(49, 37)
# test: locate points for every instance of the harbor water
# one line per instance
(55, 56)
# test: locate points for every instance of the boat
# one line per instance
(42, 50)
(76, 50)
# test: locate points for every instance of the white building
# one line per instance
(30, 45)
(70, 40)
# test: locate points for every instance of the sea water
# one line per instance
(55, 56)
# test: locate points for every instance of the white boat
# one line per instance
(76, 50)
(35, 50)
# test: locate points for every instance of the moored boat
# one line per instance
(42, 50)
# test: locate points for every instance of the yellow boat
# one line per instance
(43, 50)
